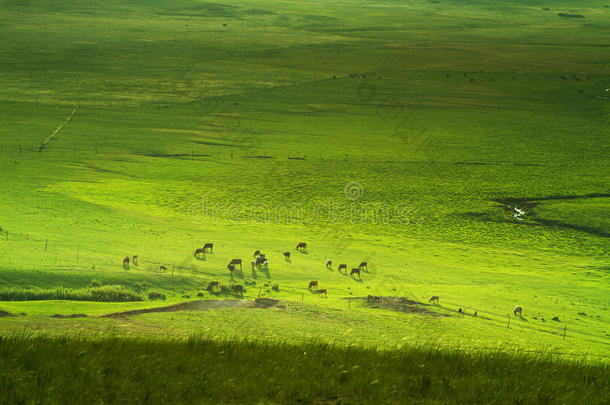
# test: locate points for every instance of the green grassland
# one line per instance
(249, 123)
(208, 371)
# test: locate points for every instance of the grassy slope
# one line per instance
(196, 371)
(170, 79)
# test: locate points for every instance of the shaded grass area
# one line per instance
(196, 370)
(110, 293)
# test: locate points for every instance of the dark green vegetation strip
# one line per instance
(200, 371)
(111, 293)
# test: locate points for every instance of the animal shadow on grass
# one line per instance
(239, 273)
(254, 274)
(200, 258)
(265, 271)
(356, 278)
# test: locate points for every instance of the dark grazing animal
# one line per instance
(163, 268)
(434, 298)
(231, 267)
(287, 255)
(342, 267)
(355, 270)
(199, 251)
(518, 310)
(135, 260)
(475, 314)
(323, 291)
(208, 246)
(302, 246)
(372, 298)
(364, 265)
(238, 289)
(260, 260)
(126, 262)
(236, 262)
(312, 284)
(212, 285)
(257, 253)
(329, 263)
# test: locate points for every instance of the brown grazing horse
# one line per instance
(208, 246)
(434, 298)
(257, 253)
(126, 262)
(287, 255)
(260, 260)
(231, 267)
(329, 263)
(518, 310)
(163, 268)
(302, 246)
(235, 262)
(364, 265)
(200, 251)
(355, 270)
(323, 291)
(342, 267)
(238, 289)
(313, 284)
(135, 260)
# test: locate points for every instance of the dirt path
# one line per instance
(202, 305)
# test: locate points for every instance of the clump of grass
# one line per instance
(155, 295)
(96, 283)
(109, 293)
(139, 287)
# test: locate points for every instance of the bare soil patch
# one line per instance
(402, 304)
(201, 305)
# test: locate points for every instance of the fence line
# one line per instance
(59, 128)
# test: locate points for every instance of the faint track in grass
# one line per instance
(59, 128)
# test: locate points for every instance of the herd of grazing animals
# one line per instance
(261, 260)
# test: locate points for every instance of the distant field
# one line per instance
(460, 148)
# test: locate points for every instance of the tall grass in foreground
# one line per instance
(111, 370)
(110, 293)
